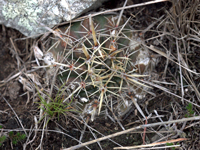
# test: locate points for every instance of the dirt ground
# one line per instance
(57, 137)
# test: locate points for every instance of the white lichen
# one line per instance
(23, 10)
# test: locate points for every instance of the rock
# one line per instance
(30, 16)
(13, 90)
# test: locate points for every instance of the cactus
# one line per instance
(100, 61)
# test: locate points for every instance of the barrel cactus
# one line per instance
(100, 61)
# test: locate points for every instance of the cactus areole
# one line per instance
(100, 62)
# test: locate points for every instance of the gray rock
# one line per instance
(30, 16)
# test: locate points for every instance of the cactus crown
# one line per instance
(99, 58)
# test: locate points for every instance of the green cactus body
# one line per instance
(100, 59)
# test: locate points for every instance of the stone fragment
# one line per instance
(30, 16)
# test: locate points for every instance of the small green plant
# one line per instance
(55, 107)
(15, 138)
(170, 144)
(190, 111)
(2, 138)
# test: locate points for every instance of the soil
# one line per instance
(13, 92)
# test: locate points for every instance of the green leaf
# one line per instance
(170, 144)
(23, 136)
(2, 139)
(14, 142)
(189, 107)
(11, 133)
(18, 134)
